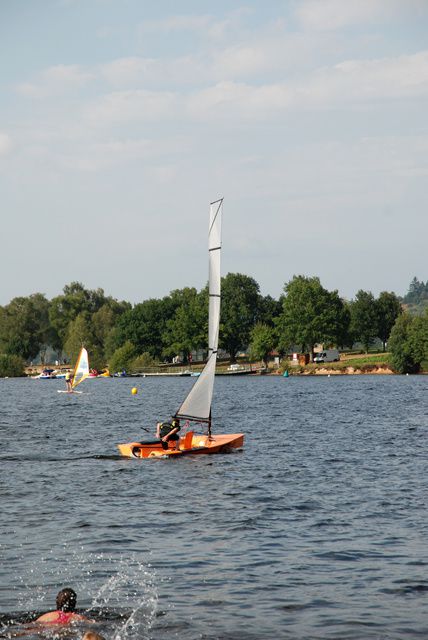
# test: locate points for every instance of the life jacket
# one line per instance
(167, 427)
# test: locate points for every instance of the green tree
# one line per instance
(65, 308)
(11, 366)
(262, 342)
(408, 343)
(364, 318)
(419, 340)
(104, 321)
(344, 336)
(418, 291)
(142, 361)
(388, 309)
(188, 328)
(123, 357)
(24, 326)
(81, 334)
(310, 315)
(268, 310)
(144, 326)
(239, 308)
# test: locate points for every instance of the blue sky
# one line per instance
(121, 121)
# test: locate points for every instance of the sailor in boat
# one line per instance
(168, 432)
(65, 606)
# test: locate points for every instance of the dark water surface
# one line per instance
(318, 529)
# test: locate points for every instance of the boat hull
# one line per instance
(200, 444)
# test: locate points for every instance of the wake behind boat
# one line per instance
(196, 407)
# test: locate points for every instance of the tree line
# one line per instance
(119, 335)
(417, 293)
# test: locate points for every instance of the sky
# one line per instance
(121, 121)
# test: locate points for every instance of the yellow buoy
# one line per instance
(134, 391)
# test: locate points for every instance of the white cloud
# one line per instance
(125, 71)
(335, 14)
(349, 83)
(6, 144)
(353, 82)
(275, 51)
(244, 60)
(129, 106)
(56, 80)
(177, 23)
(136, 72)
(358, 81)
(204, 26)
(96, 156)
(233, 101)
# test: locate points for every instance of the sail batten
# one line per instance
(197, 404)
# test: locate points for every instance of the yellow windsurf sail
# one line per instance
(81, 370)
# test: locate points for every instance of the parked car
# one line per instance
(329, 355)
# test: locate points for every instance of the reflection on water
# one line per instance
(316, 530)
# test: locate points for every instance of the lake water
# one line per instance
(317, 529)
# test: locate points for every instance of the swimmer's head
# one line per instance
(92, 635)
(66, 600)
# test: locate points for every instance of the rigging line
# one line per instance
(216, 214)
(215, 248)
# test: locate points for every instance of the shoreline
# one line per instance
(346, 371)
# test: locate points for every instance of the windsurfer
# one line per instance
(168, 431)
(69, 381)
(65, 606)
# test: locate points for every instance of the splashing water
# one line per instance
(133, 583)
(123, 600)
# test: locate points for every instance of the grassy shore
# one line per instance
(348, 364)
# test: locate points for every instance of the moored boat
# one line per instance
(46, 374)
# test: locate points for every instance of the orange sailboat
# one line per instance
(196, 407)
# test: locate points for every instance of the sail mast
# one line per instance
(197, 404)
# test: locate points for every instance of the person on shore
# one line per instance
(168, 432)
(69, 381)
(65, 610)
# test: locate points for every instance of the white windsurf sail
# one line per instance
(197, 404)
(81, 370)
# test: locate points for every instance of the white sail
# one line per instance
(81, 370)
(197, 404)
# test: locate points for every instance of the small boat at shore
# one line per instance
(46, 374)
(196, 407)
